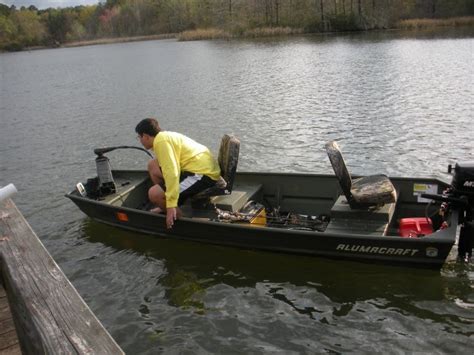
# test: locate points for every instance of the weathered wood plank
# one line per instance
(6, 325)
(8, 339)
(13, 350)
(9, 343)
(4, 311)
(49, 314)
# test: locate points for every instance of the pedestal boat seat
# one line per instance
(368, 203)
(228, 158)
(363, 192)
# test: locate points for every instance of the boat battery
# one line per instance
(415, 227)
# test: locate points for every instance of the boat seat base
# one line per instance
(342, 209)
(240, 195)
(371, 220)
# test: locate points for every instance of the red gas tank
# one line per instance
(415, 227)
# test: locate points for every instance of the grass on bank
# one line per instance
(215, 33)
(272, 32)
(117, 40)
(422, 23)
(203, 33)
(411, 24)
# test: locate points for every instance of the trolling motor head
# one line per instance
(101, 151)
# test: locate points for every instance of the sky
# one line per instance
(44, 4)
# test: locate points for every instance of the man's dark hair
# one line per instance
(149, 126)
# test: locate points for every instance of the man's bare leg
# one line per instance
(156, 175)
(156, 195)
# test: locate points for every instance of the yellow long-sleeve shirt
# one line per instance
(177, 153)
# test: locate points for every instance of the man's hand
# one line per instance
(170, 217)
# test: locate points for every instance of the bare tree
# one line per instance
(277, 14)
(321, 3)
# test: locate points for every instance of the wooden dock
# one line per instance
(9, 343)
(46, 315)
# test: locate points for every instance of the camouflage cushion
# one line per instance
(373, 190)
(339, 167)
(228, 159)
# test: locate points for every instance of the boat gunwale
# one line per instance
(303, 174)
(445, 236)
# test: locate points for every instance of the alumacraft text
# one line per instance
(376, 250)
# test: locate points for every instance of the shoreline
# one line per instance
(412, 25)
(99, 41)
(111, 40)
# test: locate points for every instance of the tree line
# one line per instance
(29, 26)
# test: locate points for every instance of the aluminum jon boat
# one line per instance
(402, 221)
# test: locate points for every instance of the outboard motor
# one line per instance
(462, 187)
(460, 196)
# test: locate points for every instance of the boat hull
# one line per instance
(429, 251)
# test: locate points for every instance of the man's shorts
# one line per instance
(192, 185)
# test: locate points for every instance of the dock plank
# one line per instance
(9, 343)
(49, 314)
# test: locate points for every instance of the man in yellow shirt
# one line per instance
(182, 167)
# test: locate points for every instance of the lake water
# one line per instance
(400, 104)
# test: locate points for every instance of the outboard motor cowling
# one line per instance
(463, 179)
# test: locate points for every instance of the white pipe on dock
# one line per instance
(7, 192)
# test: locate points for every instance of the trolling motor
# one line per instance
(104, 183)
(104, 173)
(460, 195)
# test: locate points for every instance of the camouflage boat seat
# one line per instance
(228, 158)
(375, 190)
